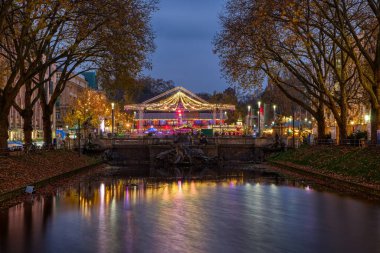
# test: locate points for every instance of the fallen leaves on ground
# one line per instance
(19, 171)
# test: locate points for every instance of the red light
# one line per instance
(179, 111)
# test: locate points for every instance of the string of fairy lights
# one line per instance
(179, 100)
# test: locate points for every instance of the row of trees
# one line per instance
(137, 90)
(38, 38)
(319, 53)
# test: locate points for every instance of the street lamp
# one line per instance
(367, 118)
(248, 117)
(258, 122)
(259, 116)
(113, 117)
(77, 136)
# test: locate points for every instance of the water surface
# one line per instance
(248, 213)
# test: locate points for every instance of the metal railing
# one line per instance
(27, 149)
(171, 139)
(327, 142)
(344, 142)
(354, 142)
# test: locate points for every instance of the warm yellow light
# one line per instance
(113, 105)
(367, 118)
(268, 131)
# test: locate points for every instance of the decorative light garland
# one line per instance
(178, 100)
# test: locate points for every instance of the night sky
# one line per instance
(184, 31)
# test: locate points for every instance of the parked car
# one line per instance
(38, 144)
(15, 145)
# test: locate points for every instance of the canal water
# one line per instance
(238, 212)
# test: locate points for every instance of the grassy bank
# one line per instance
(18, 171)
(363, 164)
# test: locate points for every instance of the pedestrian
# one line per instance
(203, 140)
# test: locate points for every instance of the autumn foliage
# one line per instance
(91, 107)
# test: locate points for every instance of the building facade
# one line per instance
(72, 89)
(69, 94)
(16, 122)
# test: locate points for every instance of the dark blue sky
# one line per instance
(184, 31)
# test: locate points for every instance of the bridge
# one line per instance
(226, 150)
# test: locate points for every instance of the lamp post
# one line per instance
(248, 118)
(78, 136)
(294, 144)
(366, 118)
(113, 117)
(274, 115)
(259, 116)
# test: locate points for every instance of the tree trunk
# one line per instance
(375, 114)
(47, 124)
(375, 123)
(341, 121)
(343, 113)
(4, 126)
(320, 118)
(321, 128)
(27, 116)
(27, 112)
(342, 131)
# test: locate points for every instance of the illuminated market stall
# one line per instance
(178, 109)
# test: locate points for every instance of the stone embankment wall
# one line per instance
(145, 153)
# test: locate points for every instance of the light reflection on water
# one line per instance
(233, 215)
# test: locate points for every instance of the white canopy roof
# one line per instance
(178, 98)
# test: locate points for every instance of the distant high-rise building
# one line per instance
(91, 80)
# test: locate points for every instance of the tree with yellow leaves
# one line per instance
(91, 107)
